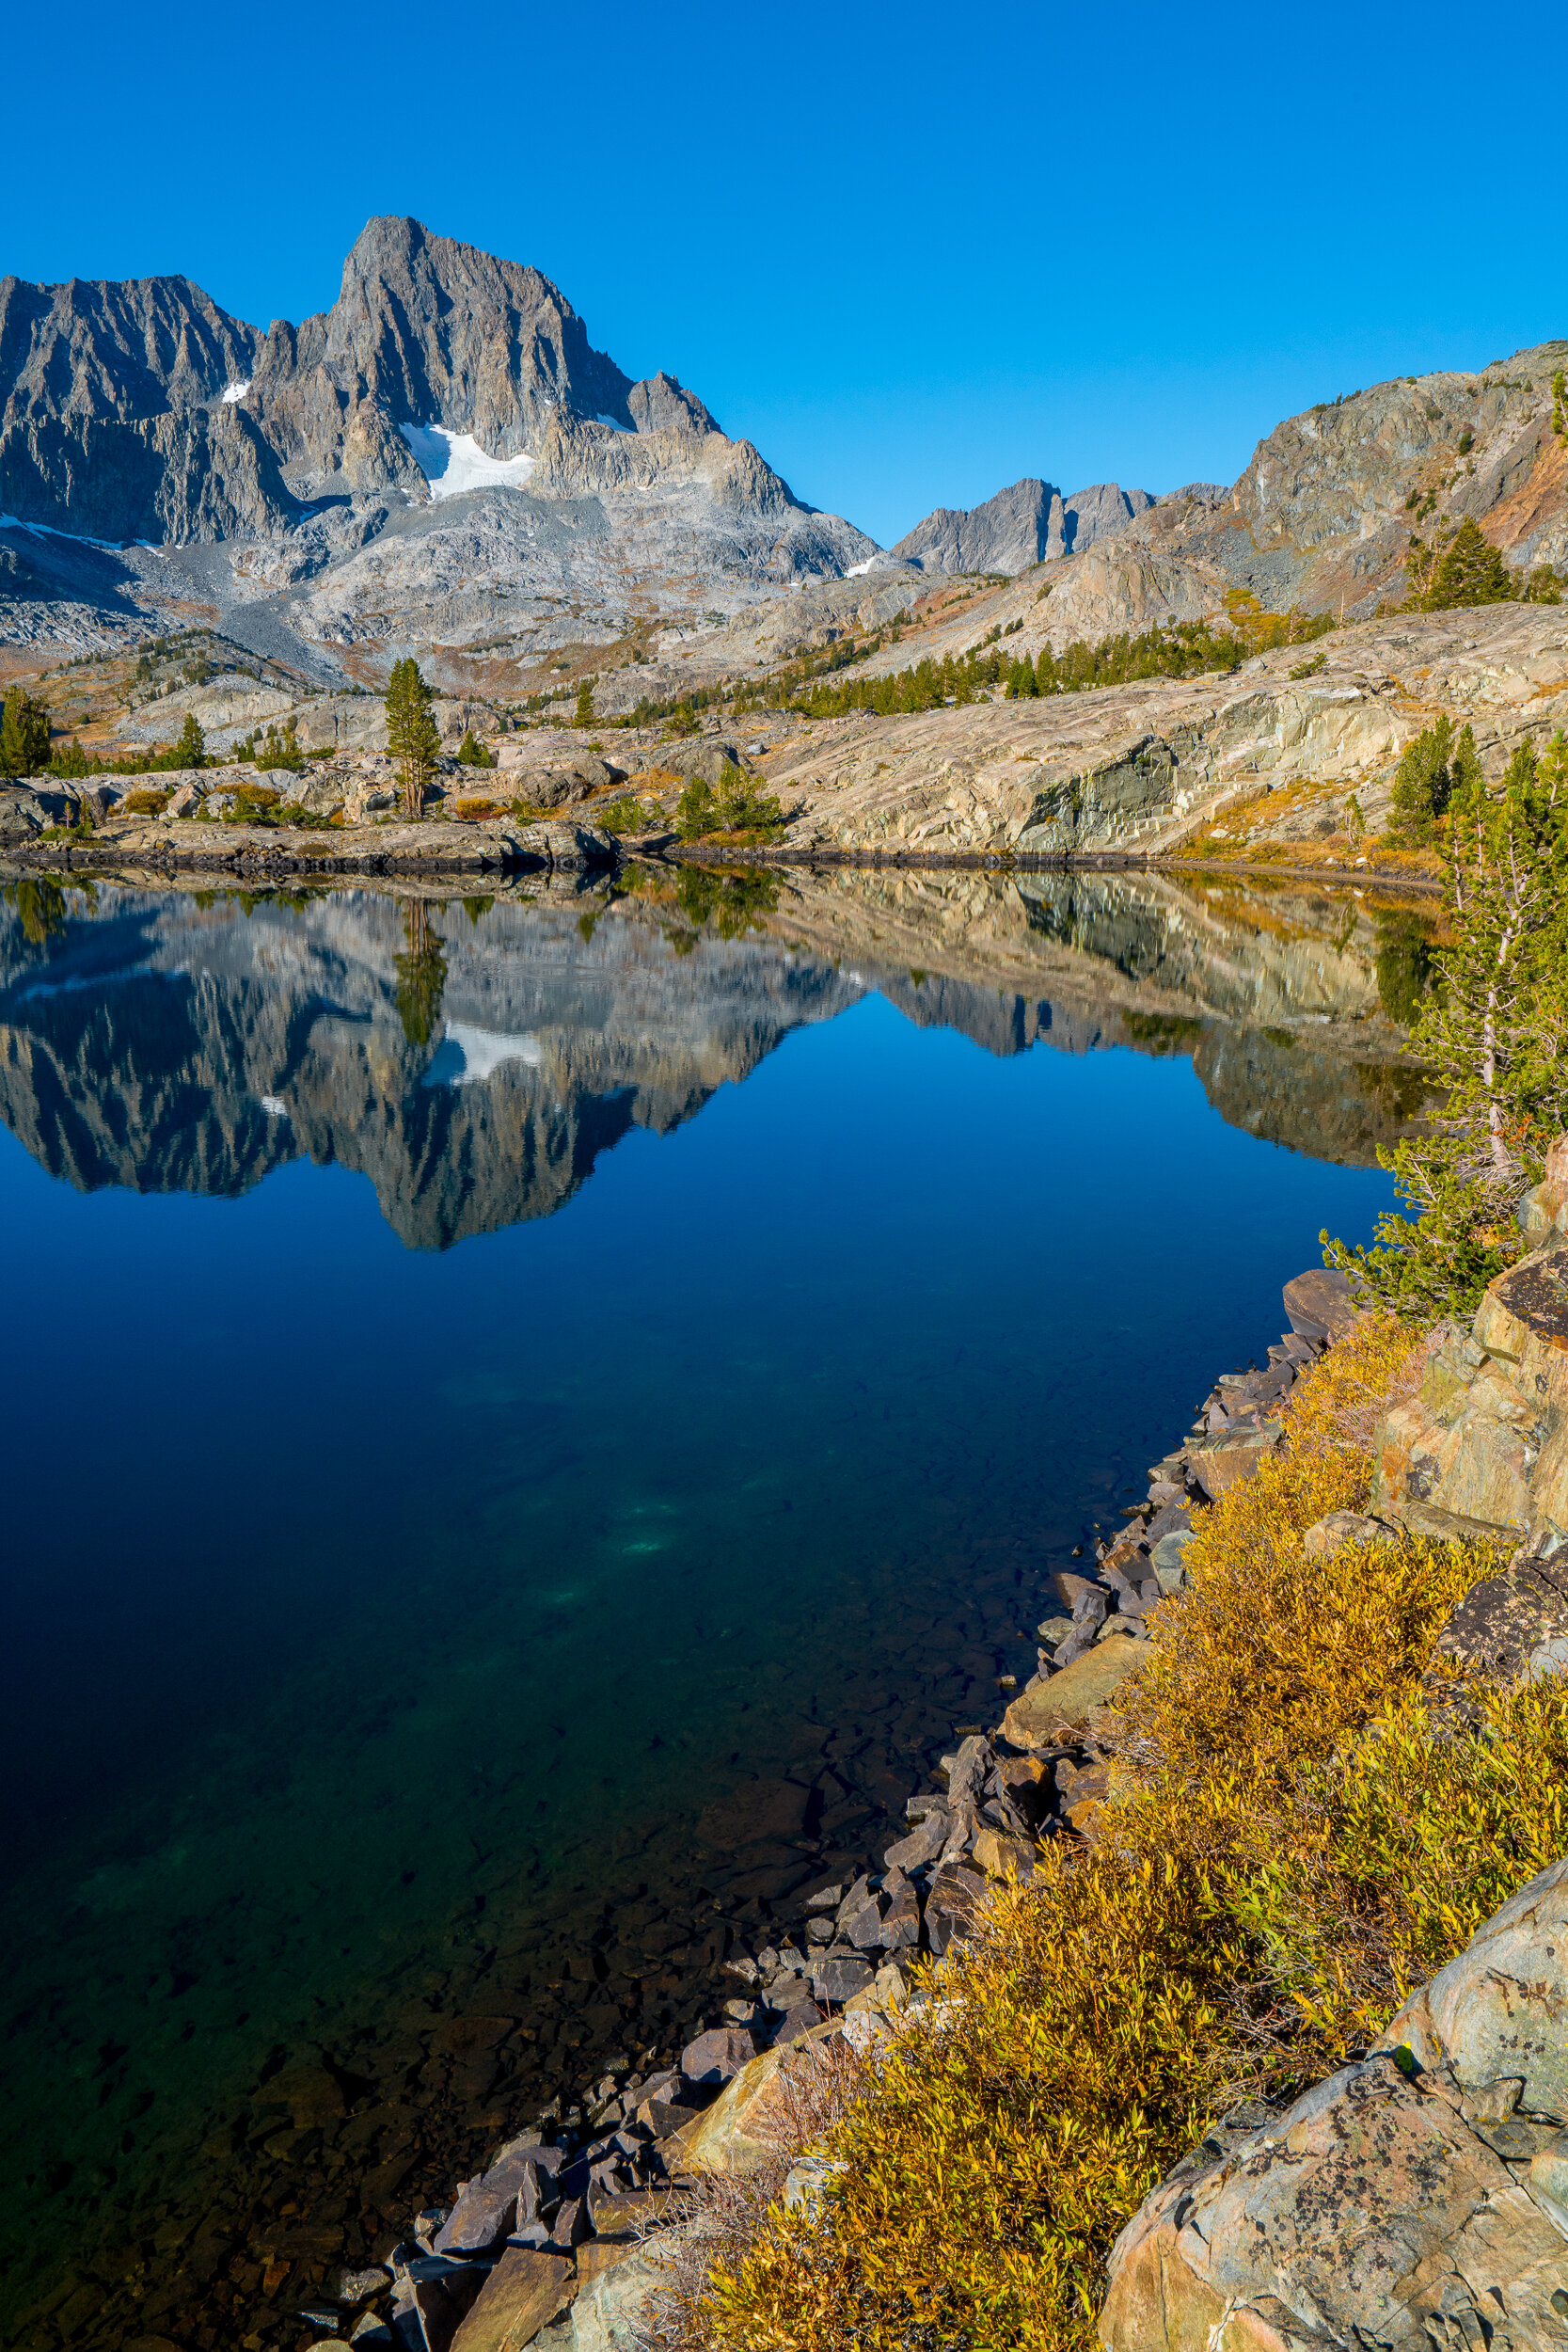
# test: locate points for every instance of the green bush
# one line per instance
(626, 813)
(737, 808)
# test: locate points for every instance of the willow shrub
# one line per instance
(1291, 1842)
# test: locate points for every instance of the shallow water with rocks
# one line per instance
(533, 1422)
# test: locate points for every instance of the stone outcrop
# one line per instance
(1482, 1449)
(1141, 769)
(1417, 2198)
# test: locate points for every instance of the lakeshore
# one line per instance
(481, 1775)
(556, 2237)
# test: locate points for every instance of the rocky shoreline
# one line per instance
(546, 2240)
(387, 853)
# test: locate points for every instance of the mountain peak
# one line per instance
(1030, 522)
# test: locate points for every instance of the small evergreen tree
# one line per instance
(412, 734)
(70, 760)
(23, 734)
(473, 754)
(583, 717)
(190, 747)
(1433, 770)
(1491, 1036)
(1470, 571)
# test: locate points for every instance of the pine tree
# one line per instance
(583, 717)
(1470, 571)
(1491, 1037)
(23, 734)
(412, 734)
(1434, 770)
(190, 749)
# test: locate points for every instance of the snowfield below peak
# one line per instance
(454, 462)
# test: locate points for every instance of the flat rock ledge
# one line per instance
(432, 847)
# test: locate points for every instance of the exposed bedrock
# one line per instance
(1418, 2197)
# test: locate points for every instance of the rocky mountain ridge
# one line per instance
(1031, 522)
(444, 461)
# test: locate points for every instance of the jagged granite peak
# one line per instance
(660, 405)
(447, 411)
(426, 330)
(1030, 522)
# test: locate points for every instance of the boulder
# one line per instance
(566, 847)
(923, 1844)
(798, 2021)
(522, 2294)
(1513, 1626)
(1219, 1462)
(711, 763)
(716, 2057)
(1319, 1304)
(1054, 1713)
(1328, 1536)
(608, 2314)
(1002, 1856)
(431, 2301)
(1417, 2199)
(729, 2137)
(954, 1905)
(184, 801)
(837, 1976)
(1483, 1448)
(487, 2209)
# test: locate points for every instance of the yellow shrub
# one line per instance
(1290, 1843)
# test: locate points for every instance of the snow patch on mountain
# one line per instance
(453, 463)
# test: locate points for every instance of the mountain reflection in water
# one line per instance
(472, 1058)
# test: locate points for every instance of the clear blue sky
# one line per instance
(912, 253)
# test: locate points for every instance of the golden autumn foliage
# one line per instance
(1291, 1842)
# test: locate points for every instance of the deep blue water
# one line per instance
(379, 1617)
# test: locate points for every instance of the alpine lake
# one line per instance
(532, 1422)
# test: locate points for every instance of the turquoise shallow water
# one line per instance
(499, 1499)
